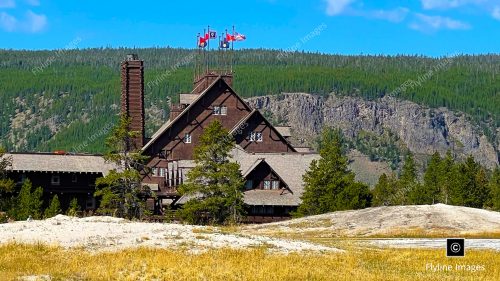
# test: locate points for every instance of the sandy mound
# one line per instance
(107, 233)
(423, 219)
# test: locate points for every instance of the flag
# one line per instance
(202, 43)
(206, 36)
(229, 37)
(212, 35)
(239, 37)
(224, 44)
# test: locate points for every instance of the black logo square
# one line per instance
(455, 247)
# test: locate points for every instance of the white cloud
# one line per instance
(449, 4)
(35, 22)
(7, 22)
(427, 23)
(496, 13)
(7, 4)
(335, 7)
(396, 15)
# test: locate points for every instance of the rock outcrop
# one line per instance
(423, 130)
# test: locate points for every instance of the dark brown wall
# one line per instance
(271, 142)
(260, 173)
(205, 81)
(132, 97)
(194, 121)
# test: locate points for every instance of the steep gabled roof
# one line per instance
(171, 123)
(255, 112)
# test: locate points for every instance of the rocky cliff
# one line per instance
(421, 129)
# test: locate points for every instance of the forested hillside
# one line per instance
(69, 99)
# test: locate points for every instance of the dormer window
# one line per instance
(255, 136)
(220, 110)
(187, 138)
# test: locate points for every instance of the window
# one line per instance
(223, 110)
(258, 136)
(55, 180)
(251, 136)
(216, 110)
(255, 136)
(162, 172)
(248, 184)
(187, 138)
(276, 185)
(74, 178)
(267, 184)
(220, 110)
(154, 172)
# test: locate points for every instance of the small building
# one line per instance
(68, 176)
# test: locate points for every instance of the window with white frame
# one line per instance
(55, 180)
(267, 184)
(187, 138)
(154, 172)
(216, 110)
(162, 172)
(258, 136)
(276, 185)
(255, 136)
(223, 110)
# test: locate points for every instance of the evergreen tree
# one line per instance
(409, 189)
(431, 187)
(384, 192)
(54, 207)
(447, 177)
(215, 185)
(471, 188)
(6, 184)
(121, 192)
(494, 188)
(73, 208)
(28, 204)
(329, 184)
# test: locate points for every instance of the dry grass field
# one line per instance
(24, 262)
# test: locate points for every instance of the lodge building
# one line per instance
(270, 164)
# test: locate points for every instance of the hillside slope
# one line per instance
(382, 128)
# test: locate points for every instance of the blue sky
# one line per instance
(427, 27)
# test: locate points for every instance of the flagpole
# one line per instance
(232, 50)
(204, 55)
(220, 53)
(196, 62)
(208, 47)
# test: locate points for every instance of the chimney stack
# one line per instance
(132, 97)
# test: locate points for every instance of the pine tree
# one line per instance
(471, 188)
(494, 189)
(447, 177)
(73, 208)
(409, 189)
(54, 207)
(6, 184)
(329, 184)
(28, 204)
(121, 192)
(431, 188)
(384, 192)
(215, 185)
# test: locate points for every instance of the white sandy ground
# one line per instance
(433, 243)
(438, 218)
(108, 233)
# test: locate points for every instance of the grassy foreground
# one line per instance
(17, 260)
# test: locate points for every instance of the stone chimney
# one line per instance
(201, 83)
(132, 97)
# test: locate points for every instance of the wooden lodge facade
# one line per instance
(271, 165)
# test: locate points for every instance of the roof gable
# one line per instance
(257, 113)
(170, 123)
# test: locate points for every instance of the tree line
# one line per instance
(73, 96)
